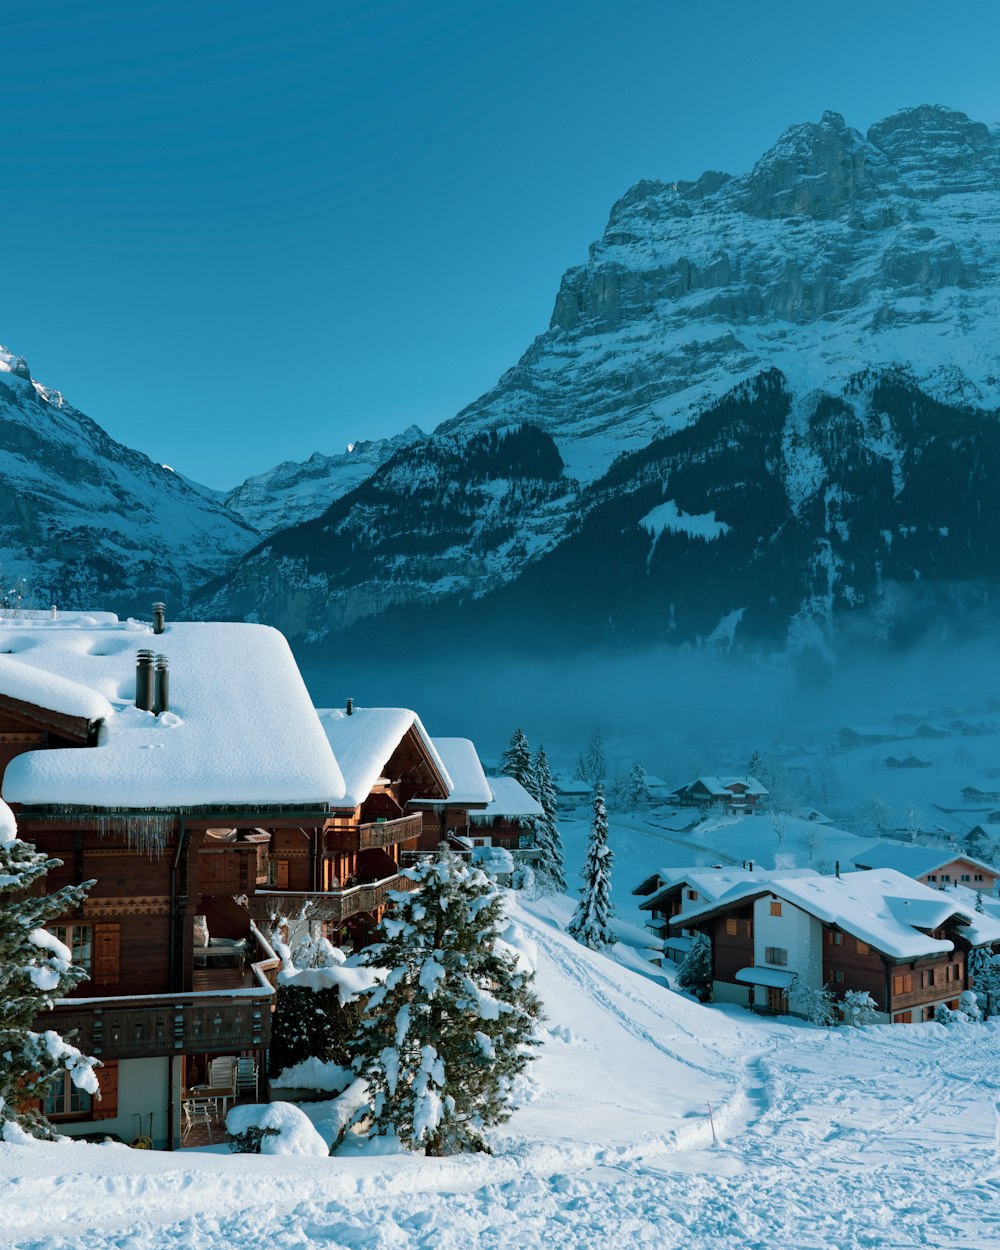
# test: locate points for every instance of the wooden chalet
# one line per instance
(932, 865)
(183, 769)
(737, 795)
(879, 931)
(470, 794)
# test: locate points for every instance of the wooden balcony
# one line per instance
(336, 906)
(377, 835)
(143, 1026)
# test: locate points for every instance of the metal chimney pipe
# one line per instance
(159, 618)
(162, 700)
(350, 707)
(838, 869)
(144, 680)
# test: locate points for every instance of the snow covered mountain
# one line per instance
(85, 521)
(294, 492)
(764, 402)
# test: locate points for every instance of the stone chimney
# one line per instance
(159, 619)
(144, 681)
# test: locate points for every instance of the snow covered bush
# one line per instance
(445, 1037)
(35, 970)
(969, 1007)
(815, 1003)
(943, 1014)
(276, 1128)
(858, 1008)
(695, 972)
(591, 923)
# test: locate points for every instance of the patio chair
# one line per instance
(199, 1111)
(246, 1076)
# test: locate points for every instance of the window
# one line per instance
(836, 937)
(776, 955)
(775, 907)
(732, 927)
(63, 1099)
(932, 876)
(838, 976)
(978, 877)
(693, 895)
(78, 938)
(903, 983)
(927, 1014)
(278, 872)
(927, 978)
(862, 948)
(966, 876)
(945, 876)
(904, 1017)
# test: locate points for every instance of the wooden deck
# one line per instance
(213, 1134)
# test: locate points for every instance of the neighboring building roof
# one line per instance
(241, 729)
(510, 799)
(364, 741)
(883, 908)
(724, 786)
(766, 976)
(567, 785)
(915, 861)
(711, 883)
(468, 780)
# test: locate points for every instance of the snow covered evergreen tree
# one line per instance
(984, 975)
(35, 969)
(859, 1008)
(453, 1026)
(550, 867)
(695, 972)
(595, 759)
(591, 923)
(637, 791)
(516, 762)
(580, 772)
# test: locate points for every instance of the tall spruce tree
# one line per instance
(591, 923)
(695, 972)
(35, 970)
(516, 762)
(452, 1027)
(550, 867)
(596, 759)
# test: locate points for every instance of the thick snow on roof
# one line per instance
(914, 860)
(882, 907)
(8, 825)
(720, 785)
(712, 883)
(364, 742)
(468, 781)
(766, 976)
(509, 799)
(48, 690)
(241, 729)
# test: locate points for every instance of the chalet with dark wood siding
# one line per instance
(470, 794)
(184, 769)
(878, 931)
(738, 795)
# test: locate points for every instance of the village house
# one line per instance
(508, 819)
(470, 793)
(736, 795)
(183, 768)
(931, 865)
(876, 931)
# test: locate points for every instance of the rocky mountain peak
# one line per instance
(937, 150)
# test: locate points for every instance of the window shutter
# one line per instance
(107, 1083)
(282, 881)
(107, 947)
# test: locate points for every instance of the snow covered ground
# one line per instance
(887, 1137)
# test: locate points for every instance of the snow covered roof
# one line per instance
(883, 908)
(509, 799)
(915, 861)
(468, 780)
(241, 729)
(364, 741)
(766, 976)
(712, 883)
(727, 785)
(8, 825)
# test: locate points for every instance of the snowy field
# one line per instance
(885, 1137)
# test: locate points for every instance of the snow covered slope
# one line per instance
(84, 520)
(880, 1138)
(798, 363)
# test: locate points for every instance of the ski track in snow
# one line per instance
(886, 1137)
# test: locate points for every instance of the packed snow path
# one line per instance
(887, 1137)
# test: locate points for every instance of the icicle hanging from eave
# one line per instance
(147, 832)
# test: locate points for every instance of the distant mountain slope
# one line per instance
(87, 522)
(763, 404)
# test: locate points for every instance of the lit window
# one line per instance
(775, 908)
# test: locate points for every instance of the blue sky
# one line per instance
(237, 233)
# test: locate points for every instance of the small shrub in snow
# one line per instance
(35, 970)
(943, 1014)
(453, 1026)
(816, 1004)
(858, 1009)
(591, 923)
(969, 1007)
(276, 1128)
(695, 972)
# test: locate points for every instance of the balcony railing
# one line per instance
(337, 906)
(378, 834)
